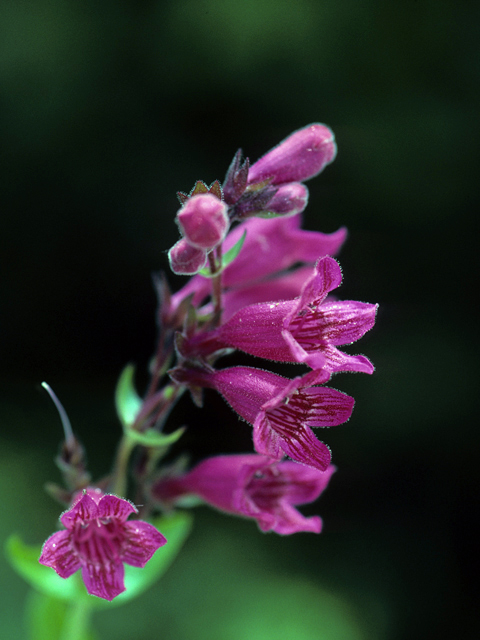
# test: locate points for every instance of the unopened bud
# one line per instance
(289, 199)
(203, 220)
(186, 260)
(297, 158)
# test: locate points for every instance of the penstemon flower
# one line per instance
(306, 329)
(282, 411)
(98, 539)
(252, 486)
(260, 284)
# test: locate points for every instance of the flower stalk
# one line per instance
(259, 284)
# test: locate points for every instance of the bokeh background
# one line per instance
(106, 110)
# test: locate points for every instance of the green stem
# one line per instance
(77, 621)
(119, 481)
(216, 268)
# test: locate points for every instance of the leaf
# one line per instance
(48, 618)
(175, 528)
(24, 559)
(233, 252)
(152, 438)
(228, 257)
(127, 401)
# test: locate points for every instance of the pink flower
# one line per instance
(306, 330)
(282, 411)
(302, 155)
(254, 487)
(203, 221)
(270, 246)
(98, 539)
(185, 259)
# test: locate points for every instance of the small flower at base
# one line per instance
(253, 486)
(98, 540)
(186, 260)
(297, 158)
(203, 220)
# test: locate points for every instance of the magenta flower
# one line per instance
(185, 259)
(98, 539)
(254, 487)
(302, 155)
(203, 221)
(270, 246)
(282, 411)
(305, 330)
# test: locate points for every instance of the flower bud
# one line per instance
(299, 157)
(203, 220)
(186, 260)
(290, 199)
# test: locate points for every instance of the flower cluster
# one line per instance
(261, 285)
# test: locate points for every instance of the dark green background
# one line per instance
(106, 110)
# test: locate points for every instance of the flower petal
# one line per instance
(58, 553)
(305, 484)
(327, 276)
(301, 445)
(345, 322)
(289, 520)
(83, 510)
(266, 441)
(112, 507)
(143, 539)
(105, 580)
(336, 360)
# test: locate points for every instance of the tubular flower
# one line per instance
(254, 487)
(282, 411)
(302, 155)
(98, 539)
(271, 246)
(305, 330)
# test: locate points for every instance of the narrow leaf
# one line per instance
(24, 559)
(127, 401)
(228, 257)
(152, 438)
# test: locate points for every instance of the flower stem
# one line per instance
(216, 271)
(77, 621)
(119, 480)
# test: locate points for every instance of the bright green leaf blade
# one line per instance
(127, 401)
(228, 257)
(45, 616)
(48, 618)
(24, 559)
(233, 252)
(152, 438)
(175, 528)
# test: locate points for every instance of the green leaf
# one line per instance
(175, 528)
(152, 438)
(24, 559)
(228, 257)
(233, 252)
(52, 619)
(127, 401)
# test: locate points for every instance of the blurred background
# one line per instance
(106, 110)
